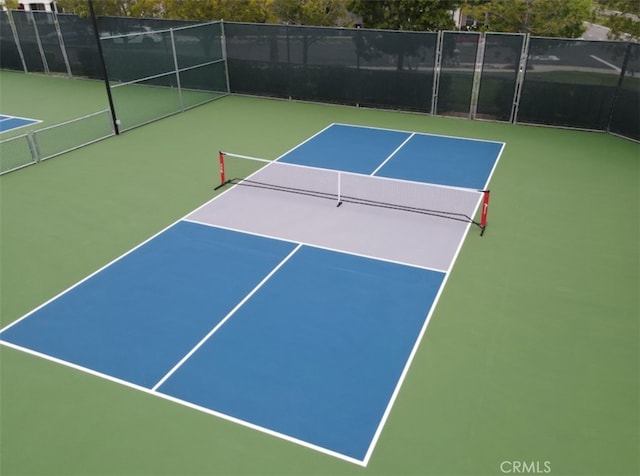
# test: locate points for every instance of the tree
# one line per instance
(101, 7)
(621, 16)
(556, 18)
(419, 15)
(312, 12)
(422, 15)
(255, 11)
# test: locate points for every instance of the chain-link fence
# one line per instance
(155, 73)
(160, 67)
(155, 68)
(494, 76)
(48, 142)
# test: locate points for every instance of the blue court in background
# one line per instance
(305, 343)
(347, 148)
(450, 161)
(8, 123)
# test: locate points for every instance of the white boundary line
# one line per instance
(417, 133)
(8, 118)
(303, 142)
(415, 348)
(447, 273)
(99, 270)
(268, 162)
(225, 318)
(495, 164)
(185, 403)
(153, 391)
(310, 245)
(392, 154)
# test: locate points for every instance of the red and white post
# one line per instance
(221, 160)
(223, 178)
(485, 210)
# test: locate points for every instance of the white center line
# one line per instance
(393, 153)
(225, 319)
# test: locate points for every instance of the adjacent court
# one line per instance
(294, 301)
(8, 123)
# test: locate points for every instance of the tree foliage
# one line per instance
(557, 18)
(312, 12)
(294, 12)
(101, 7)
(255, 11)
(422, 15)
(621, 16)
(408, 15)
(11, 4)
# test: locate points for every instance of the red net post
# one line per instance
(485, 210)
(222, 175)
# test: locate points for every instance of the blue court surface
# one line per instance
(303, 342)
(8, 123)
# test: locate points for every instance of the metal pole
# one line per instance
(522, 68)
(14, 31)
(477, 75)
(63, 48)
(623, 72)
(436, 73)
(175, 65)
(223, 46)
(43, 57)
(114, 119)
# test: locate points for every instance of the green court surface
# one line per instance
(531, 357)
(51, 100)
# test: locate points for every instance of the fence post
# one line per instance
(175, 65)
(16, 38)
(223, 46)
(436, 74)
(477, 73)
(522, 67)
(63, 48)
(623, 71)
(114, 119)
(39, 42)
(34, 147)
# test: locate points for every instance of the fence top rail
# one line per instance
(581, 40)
(70, 121)
(341, 28)
(163, 30)
(9, 139)
(199, 24)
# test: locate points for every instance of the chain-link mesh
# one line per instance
(625, 119)
(28, 41)
(459, 52)
(15, 153)
(567, 82)
(570, 82)
(499, 74)
(9, 53)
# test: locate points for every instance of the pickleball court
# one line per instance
(294, 301)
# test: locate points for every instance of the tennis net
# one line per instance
(452, 203)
